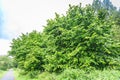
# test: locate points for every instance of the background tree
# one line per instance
(113, 13)
(108, 5)
(97, 5)
(6, 62)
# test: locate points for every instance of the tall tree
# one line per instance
(108, 5)
(97, 5)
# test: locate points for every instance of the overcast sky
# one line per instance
(21, 16)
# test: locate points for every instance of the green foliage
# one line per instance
(5, 62)
(21, 75)
(97, 4)
(74, 74)
(106, 4)
(26, 50)
(81, 39)
(116, 28)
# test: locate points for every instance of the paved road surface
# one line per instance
(8, 76)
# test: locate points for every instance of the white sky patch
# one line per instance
(4, 46)
(116, 3)
(23, 16)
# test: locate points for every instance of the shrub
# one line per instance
(81, 39)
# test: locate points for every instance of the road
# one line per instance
(9, 75)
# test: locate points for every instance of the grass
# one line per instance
(74, 74)
(17, 73)
(2, 72)
(90, 75)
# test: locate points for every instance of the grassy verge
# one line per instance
(74, 74)
(2, 73)
(17, 73)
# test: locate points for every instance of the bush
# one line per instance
(81, 39)
(27, 52)
(76, 74)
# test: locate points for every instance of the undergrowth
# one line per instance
(74, 74)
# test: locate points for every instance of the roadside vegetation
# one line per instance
(74, 74)
(5, 64)
(84, 44)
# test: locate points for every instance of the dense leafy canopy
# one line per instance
(82, 39)
(26, 51)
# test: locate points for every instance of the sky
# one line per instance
(21, 16)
